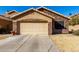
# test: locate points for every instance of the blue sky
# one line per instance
(65, 10)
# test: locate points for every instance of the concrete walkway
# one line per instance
(28, 43)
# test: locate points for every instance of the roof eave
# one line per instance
(33, 10)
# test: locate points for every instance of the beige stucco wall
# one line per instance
(14, 26)
(35, 16)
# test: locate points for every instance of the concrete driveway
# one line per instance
(28, 43)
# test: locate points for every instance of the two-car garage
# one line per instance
(34, 28)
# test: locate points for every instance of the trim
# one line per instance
(33, 21)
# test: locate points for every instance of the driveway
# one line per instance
(28, 43)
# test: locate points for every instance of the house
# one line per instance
(38, 21)
(5, 25)
(32, 21)
(11, 13)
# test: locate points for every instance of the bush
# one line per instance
(74, 21)
(76, 32)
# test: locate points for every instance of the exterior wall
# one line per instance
(33, 17)
(15, 26)
(50, 26)
(58, 18)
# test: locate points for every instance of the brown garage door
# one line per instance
(33, 28)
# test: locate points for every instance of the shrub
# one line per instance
(74, 21)
(76, 32)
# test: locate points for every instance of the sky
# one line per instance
(65, 10)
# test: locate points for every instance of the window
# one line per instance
(59, 24)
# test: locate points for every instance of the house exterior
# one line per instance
(33, 22)
(38, 21)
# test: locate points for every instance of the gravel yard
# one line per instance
(66, 42)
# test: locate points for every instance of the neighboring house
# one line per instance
(11, 13)
(38, 21)
(5, 25)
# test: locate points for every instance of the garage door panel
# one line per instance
(33, 28)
